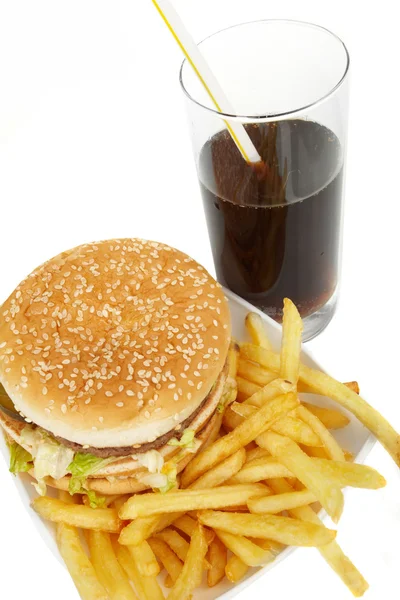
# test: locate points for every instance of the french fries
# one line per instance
(298, 430)
(288, 452)
(187, 525)
(279, 502)
(192, 571)
(217, 557)
(292, 326)
(251, 554)
(107, 567)
(290, 532)
(331, 446)
(221, 472)
(246, 432)
(188, 500)
(167, 557)
(331, 552)
(146, 587)
(175, 541)
(254, 373)
(332, 419)
(144, 558)
(78, 564)
(325, 385)
(256, 329)
(246, 388)
(235, 569)
(100, 519)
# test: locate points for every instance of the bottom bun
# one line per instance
(130, 485)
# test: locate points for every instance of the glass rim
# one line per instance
(270, 116)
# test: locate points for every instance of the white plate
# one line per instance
(354, 437)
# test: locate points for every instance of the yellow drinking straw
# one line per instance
(207, 78)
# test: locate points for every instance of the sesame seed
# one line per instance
(119, 404)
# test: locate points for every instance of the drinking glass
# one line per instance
(275, 233)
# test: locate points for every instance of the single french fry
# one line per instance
(144, 559)
(331, 552)
(142, 528)
(315, 451)
(251, 554)
(101, 519)
(146, 587)
(175, 541)
(221, 472)
(187, 525)
(270, 545)
(107, 567)
(292, 327)
(191, 574)
(332, 419)
(255, 373)
(167, 557)
(279, 502)
(235, 569)
(246, 388)
(295, 428)
(292, 456)
(276, 406)
(233, 360)
(120, 501)
(349, 474)
(188, 500)
(260, 469)
(256, 328)
(331, 446)
(79, 566)
(257, 452)
(217, 557)
(352, 385)
(290, 532)
(325, 385)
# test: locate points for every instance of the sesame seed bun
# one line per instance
(113, 344)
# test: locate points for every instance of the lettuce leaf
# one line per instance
(95, 501)
(20, 460)
(81, 467)
(186, 441)
(170, 471)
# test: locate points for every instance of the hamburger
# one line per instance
(114, 367)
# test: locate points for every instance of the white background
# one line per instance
(94, 144)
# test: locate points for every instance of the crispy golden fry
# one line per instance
(327, 386)
(246, 388)
(270, 545)
(107, 567)
(142, 528)
(235, 569)
(255, 373)
(256, 328)
(290, 532)
(187, 525)
(292, 327)
(314, 452)
(187, 500)
(351, 474)
(146, 587)
(296, 429)
(175, 541)
(217, 557)
(251, 554)
(302, 466)
(192, 571)
(233, 359)
(331, 446)
(332, 419)
(221, 472)
(352, 385)
(331, 552)
(260, 469)
(120, 501)
(78, 564)
(144, 558)
(256, 453)
(279, 502)
(246, 432)
(101, 519)
(167, 557)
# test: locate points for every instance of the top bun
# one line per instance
(114, 343)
